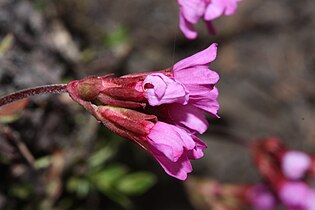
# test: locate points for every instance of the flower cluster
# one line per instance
(287, 173)
(160, 111)
(208, 10)
(287, 177)
(215, 195)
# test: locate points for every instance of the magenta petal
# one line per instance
(197, 152)
(295, 164)
(214, 10)
(188, 117)
(207, 102)
(230, 7)
(164, 91)
(196, 75)
(187, 140)
(192, 10)
(261, 198)
(310, 200)
(199, 59)
(197, 91)
(293, 194)
(171, 153)
(219, 7)
(169, 140)
(187, 28)
(178, 169)
(164, 138)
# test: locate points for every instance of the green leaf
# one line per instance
(6, 43)
(118, 197)
(118, 36)
(80, 186)
(100, 156)
(136, 183)
(105, 181)
(106, 178)
(42, 162)
(22, 191)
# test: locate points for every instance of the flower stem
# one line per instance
(53, 89)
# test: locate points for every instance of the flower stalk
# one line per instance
(39, 90)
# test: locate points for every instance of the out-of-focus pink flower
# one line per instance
(187, 92)
(293, 195)
(310, 201)
(261, 198)
(295, 164)
(217, 8)
(193, 10)
(174, 149)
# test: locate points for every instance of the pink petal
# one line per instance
(187, 140)
(178, 169)
(169, 140)
(214, 10)
(311, 200)
(192, 10)
(261, 198)
(188, 117)
(207, 102)
(164, 90)
(197, 152)
(294, 194)
(170, 152)
(187, 28)
(220, 7)
(295, 164)
(230, 6)
(196, 75)
(202, 58)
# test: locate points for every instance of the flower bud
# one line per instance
(128, 123)
(123, 92)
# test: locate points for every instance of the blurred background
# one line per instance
(54, 155)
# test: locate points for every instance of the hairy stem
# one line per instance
(53, 89)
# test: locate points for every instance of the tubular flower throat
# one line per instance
(160, 111)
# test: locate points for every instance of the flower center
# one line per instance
(148, 86)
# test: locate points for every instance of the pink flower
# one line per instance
(261, 198)
(293, 195)
(172, 147)
(310, 201)
(295, 164)
(159, 111)
(187, 92)
(193, 10)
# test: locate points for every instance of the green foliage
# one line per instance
(102, 155)
(21, 191)
(6, 43)
(108, 177)
(42, 162)
(116, 37)
(40, 5)
(114, 180)
(136, 183)
(81, 186)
